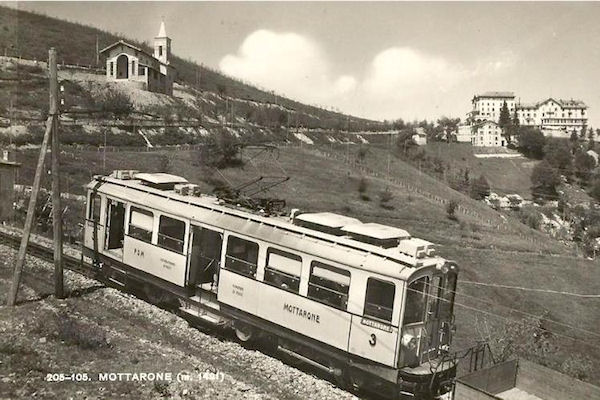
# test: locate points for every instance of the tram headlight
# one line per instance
(410, 342)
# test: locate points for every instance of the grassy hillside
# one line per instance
(505, 175)
(29, 35)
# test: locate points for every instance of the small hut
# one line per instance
(8, 176)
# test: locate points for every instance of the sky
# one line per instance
(380, 60)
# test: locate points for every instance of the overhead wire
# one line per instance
(550, 291)
(507, 319)
(490, 302)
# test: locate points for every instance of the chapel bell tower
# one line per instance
(162, 45)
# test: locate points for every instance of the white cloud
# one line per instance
(399, 82)
(285, 62)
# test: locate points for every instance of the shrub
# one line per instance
(584, 164)
(162, 388)
(544, 180)
(530, 217)
(595, 189)
(224, 152)
(558, 154)
(361, 153)
(525, 337)
(577, 366)
(480, 188)
(84, 335)
(115, 102)
(451, 207)
(531, 142)
(385, 196)
(362, 185)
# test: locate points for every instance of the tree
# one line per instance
(116, 102)
(451, 207)
(445, 126)
(574, 138)
(584, 164)
(405, 140)
(515, 128)
(558, 154)
(385, 196)
(583, 131)
(531, 142)
(505, 122)
(544, 181)
(591, 138)
(480, 188)
(595, 189)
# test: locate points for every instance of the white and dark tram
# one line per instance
(366, 302)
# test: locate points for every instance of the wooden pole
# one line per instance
(12, 295)
(56, 206)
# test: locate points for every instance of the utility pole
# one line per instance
(97, 53)
(56, 206)
(50, 123)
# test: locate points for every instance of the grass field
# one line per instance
(505, 175)
(485, 254)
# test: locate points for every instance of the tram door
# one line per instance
(115, 226)
(205, 258)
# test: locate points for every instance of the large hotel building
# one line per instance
(555, 117)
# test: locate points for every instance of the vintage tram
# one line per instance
(365, 302)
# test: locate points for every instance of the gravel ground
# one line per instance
(102, 330)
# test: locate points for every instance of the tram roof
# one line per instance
(376, 231)
(210, 211)
(160, 178)
(328, 219)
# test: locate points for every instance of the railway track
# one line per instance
(45, 253)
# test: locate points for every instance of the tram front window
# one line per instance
(416, 301)
(447, 300)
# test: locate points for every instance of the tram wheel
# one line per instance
(243, 332)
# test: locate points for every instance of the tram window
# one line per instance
(94, 208)
(448, 296)
(171, 233)
(329, 285)
(434, 296)
(283, 270)
(379, 300)
(416, 299)
(140, 224)
(242, 256)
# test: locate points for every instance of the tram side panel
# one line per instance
(307, 317)
(154, 260)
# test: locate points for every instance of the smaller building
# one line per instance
(8, 175)
(487, 133)
(128, 63)
(464, 133)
